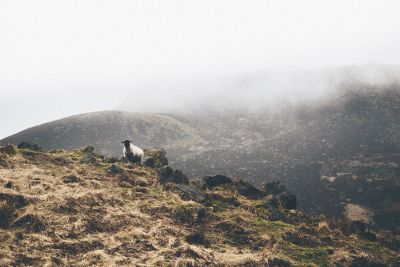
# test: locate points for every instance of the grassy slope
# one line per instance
(128, 218)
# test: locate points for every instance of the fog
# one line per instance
(59, 58)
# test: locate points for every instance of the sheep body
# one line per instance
(132, 153)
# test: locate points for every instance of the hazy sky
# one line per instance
(59, 58)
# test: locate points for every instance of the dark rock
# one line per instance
(64, 161)
(29, 222)
(277, 215)
(141, 189)
(178, 177)
(89, 159)
(8, 149)
(29, 145)
(70, 179)
(88, 149)
(155, 158)
(190, 192)
(8, 184)
(217, 180)
(165, 172)
(196, 238)
(19, 235)
(330, 251)
(112, 160)
(133, 159)
(167, 175)
(284, 201)
(248, 190)
(369, 236)
(361, 261)
(357, 227)
(201, 215)
(276, 262)
(148, 161)
(116, 169)
(274, 188)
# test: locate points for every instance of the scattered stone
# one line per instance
(330, 251)
(370, 236)
(30, 223)
(178, 177)
(8, 149)
(116, 169)
(88, 149)
(141, 189)
(357, 227)
(89, 159)
(190, 192)
(276, 262)
(141, 182)
(167, 175)
(29, 145)
(148, 161)
(201, 215)
(155, 158)
(64, 161)
(248, 190)
(276, 215)
(284, 201)
(70, 179)
(274, 188)
(112, 160)
(217, 180)
(165, 172)
(8, 185)
(196, 238)
(19, 235)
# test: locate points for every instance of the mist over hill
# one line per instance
(339, 155)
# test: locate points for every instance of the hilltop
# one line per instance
(77, 207)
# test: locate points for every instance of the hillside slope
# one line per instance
(71, 207)
(106, 129)
(345, 151)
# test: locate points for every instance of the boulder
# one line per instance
(8, 149)
(29, 145)
(148, 161)
(274, 188)
(70, 179)
(357, 227)
(116, 169)
(88, 149)
(217, 180)
(88, 158)
(165, 172)
(168, 175)
(155, 158)
(248, 190)
(284, 201)
(190, 192)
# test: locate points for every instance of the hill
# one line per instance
(106, 129)
(76, 207)
(344, 149)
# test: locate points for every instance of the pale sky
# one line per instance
(59, 58)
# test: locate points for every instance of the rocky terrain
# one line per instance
(79, 208)
(338, 155)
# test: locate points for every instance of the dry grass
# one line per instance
(125, 218)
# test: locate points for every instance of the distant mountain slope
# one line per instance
(105, 130)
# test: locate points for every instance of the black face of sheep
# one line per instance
(126, 143)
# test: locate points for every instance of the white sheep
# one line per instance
(132, 153)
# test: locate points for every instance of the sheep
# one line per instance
(132, 153)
